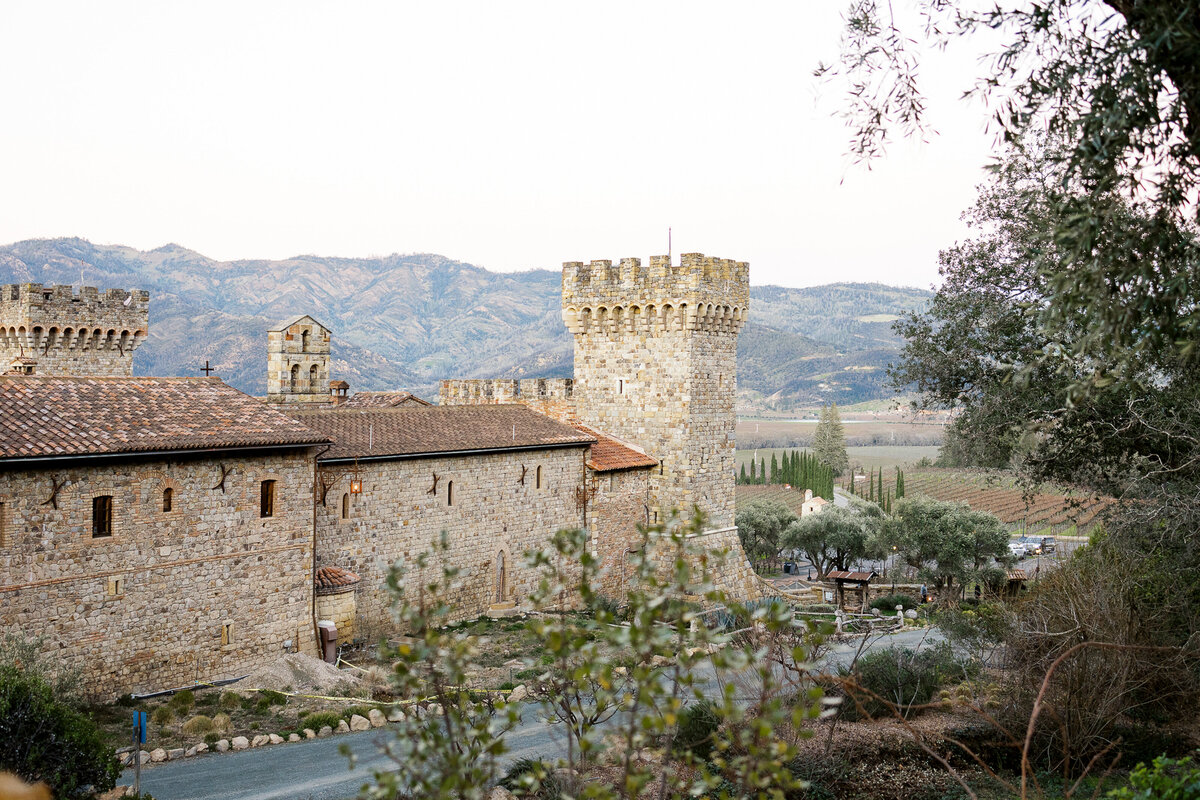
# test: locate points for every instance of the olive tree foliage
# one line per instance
(760, 527)
(833, 539)
(618, 690)
(947, 543)
(1117, 83)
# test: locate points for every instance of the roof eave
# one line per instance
(129, 454)
(445, 453)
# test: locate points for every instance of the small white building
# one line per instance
(812, 505)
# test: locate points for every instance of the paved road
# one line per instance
(316, 770)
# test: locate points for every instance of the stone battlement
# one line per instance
(699, 293)
(550, 396)
(87, 333)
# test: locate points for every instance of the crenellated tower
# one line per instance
(55, 331)
(656, 364)
(298, 362)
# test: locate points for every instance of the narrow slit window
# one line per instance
(102, 516)
(346, 506)
(227, 633)
(267, 499)
(537, 482)
(621, 386)
(450, 493)
(3, 525)
(168, 500)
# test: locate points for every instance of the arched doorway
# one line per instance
(501, 578)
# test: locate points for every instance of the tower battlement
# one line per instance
(89, 332)
(699, 293)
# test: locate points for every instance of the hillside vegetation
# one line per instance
(407, 321)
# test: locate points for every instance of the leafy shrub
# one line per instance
(211, 738)
(819, 608)
(183, 701)
(46, 739)
(1167, 779)
(506, 686)
(253, 726)
(899, 679)
(222, 723)
(163, 715)
(890, 601)
(273, 698)
(528, 674)
(263, 705)
(197, 725)
(528, 777)
(230, 700)
(698, 724)
(207, 699)
(609, 607)
(352, 710)
(319, 719)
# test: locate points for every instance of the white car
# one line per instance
(1017, 549)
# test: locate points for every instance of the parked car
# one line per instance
(1048, 544)
(1017, 549)
(1033, 545)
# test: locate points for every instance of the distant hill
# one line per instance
(407, 321)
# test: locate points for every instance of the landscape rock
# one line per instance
(222, 745)
(325, 731)
(175, 753)
(144, 756)
(436, 709)
(395, 715)
(157, 755)
(194, 749)
(240, 743)
(911, 613)
(359, 723)
(518, 694)
(275, 738)
(309, 733)
(343, 727)
(293, 737)
(376, 717)
(125, 759)
(115, 793)
(500, 793)
(260, 740)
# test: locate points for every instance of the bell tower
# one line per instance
(298, 362)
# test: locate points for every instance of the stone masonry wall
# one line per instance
(617, 504)
(342, 609)
(397, 518)
(302, 347)
(207, 590)
(85, 333)
(550, 396)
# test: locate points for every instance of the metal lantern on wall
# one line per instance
(356, 480)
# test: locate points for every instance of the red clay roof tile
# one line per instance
(609, 454)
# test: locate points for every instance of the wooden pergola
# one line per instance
(859, 581)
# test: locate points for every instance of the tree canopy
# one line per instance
(829, 440)
(832, 539)
(947, 543)
(760, 527)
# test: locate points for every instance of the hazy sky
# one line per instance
(510, 135)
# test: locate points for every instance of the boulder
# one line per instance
(325, 731)
(518, 694)
(395, 715)
(359, 723)
(222, 745)
(500, 793)
(293, 737)
(175, 753)
(144, 757)
(157, 755)
(112, 794)
(196, 749)
(240, 743)
(125, 759)
(309, 733)
(436, 709)
(260, 740)
(275, 738)
(378, 720)
(911, 613)
(343, 727)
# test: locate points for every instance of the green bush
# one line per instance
(605, 608)
(48, 740)
(1167, 779)
(900, 680)
(349, 712)
(197, 725)
(230, 700)
(183, 701)
(890, 601)
(696, 734)
(528, 674)
(211, 738)
(273, 698)
(506, 686)
(528, 777)
(319, 719)
(163, 715)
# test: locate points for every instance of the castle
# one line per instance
(156, 531)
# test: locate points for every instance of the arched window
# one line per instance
(304, 341)
(537, 480)
(312, 377)
(168, 499)
(346, 506)
(295, 376)
(450, 493)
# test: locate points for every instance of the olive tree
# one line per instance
(948, 543)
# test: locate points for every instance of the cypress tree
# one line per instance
(774, 470)
(899, 483)
(753, 477)
(742, 477)
(762, 470)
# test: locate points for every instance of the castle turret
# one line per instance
(298, 362)
(60, 332)
(656, 365)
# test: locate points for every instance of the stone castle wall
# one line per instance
(298, 363)
(553, 397)
(342, 609)
(68, 333)
(397, 518)
(656, 364)
(618, 503)
(207, 590)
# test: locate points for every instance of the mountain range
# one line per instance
(407, 321)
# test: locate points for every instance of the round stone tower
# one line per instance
(656, 365)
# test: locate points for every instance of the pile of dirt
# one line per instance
(301, 672)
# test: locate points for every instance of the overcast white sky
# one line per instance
(510, 135)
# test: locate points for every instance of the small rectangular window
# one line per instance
(116, 587)
(102, 516)
(267, 498)
(3, 525)
(227, 633)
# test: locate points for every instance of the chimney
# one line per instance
(807, 495)
(337, 392)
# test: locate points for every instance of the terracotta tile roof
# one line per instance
(846, 575)
(609, 454)
(426, 430)
(382, 400)
(23, 360)
(43, 416)
(331, 580)
(1017, 575)
(338, 385)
